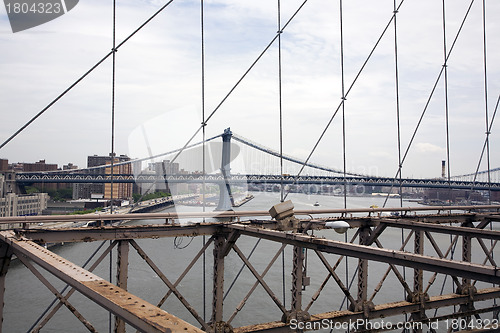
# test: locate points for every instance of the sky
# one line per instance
(158, 95)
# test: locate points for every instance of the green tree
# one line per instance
(137, 197)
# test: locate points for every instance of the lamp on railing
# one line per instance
(339, 226)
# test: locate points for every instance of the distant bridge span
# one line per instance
(240, 179)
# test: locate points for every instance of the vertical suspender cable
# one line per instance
(486, 110)
(343, 102)
(398, 120)
(282, 190)
(341, 23)
(431, 94)
(112, 142)
(445, 65)
(202, 14)
(113, 105)
(486, 102)
(280, 101)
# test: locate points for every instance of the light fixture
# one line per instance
(339, 226)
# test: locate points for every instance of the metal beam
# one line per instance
(443, 229)
(42, 321)
(380, 311)
(61, 298)
(172, 215)
(218, 283)
(491, 217)
(65, 235)
(135, 311)
(450, 267)
(188, 268)
(121, 277)
(167, 282)
(259, 278)
(245, 299)
(56, 235)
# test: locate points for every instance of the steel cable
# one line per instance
(346, 94)
(84, 75)
(238, 82)
(430, 96)
(202, 32)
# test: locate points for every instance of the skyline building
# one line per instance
(101, 190)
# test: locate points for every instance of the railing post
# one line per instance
(296, 311)
(418, 281)
(297, 272)
(122, 277)
(217, 324)
(467, 287)
(362, 303)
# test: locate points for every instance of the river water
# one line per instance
(26, 298)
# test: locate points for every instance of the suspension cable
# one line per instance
(398, 120)
(346, 94)
(342, 72)
(202, 32)
(341, 23)
(113, 86)
(239, 80)
(84, 75)
(484, 148)
(486, 101)
(280, 101)
(447, 119)
(398, 113)
(430, 97)
(289, 158)
(282, 189)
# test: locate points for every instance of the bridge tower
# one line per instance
(226, 200)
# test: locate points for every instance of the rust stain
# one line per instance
(137, 307)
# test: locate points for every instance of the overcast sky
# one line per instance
(158, 81)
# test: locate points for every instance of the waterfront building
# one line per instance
(23, 205)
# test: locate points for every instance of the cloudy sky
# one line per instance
(158, 81)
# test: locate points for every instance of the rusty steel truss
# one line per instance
(415, 265)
